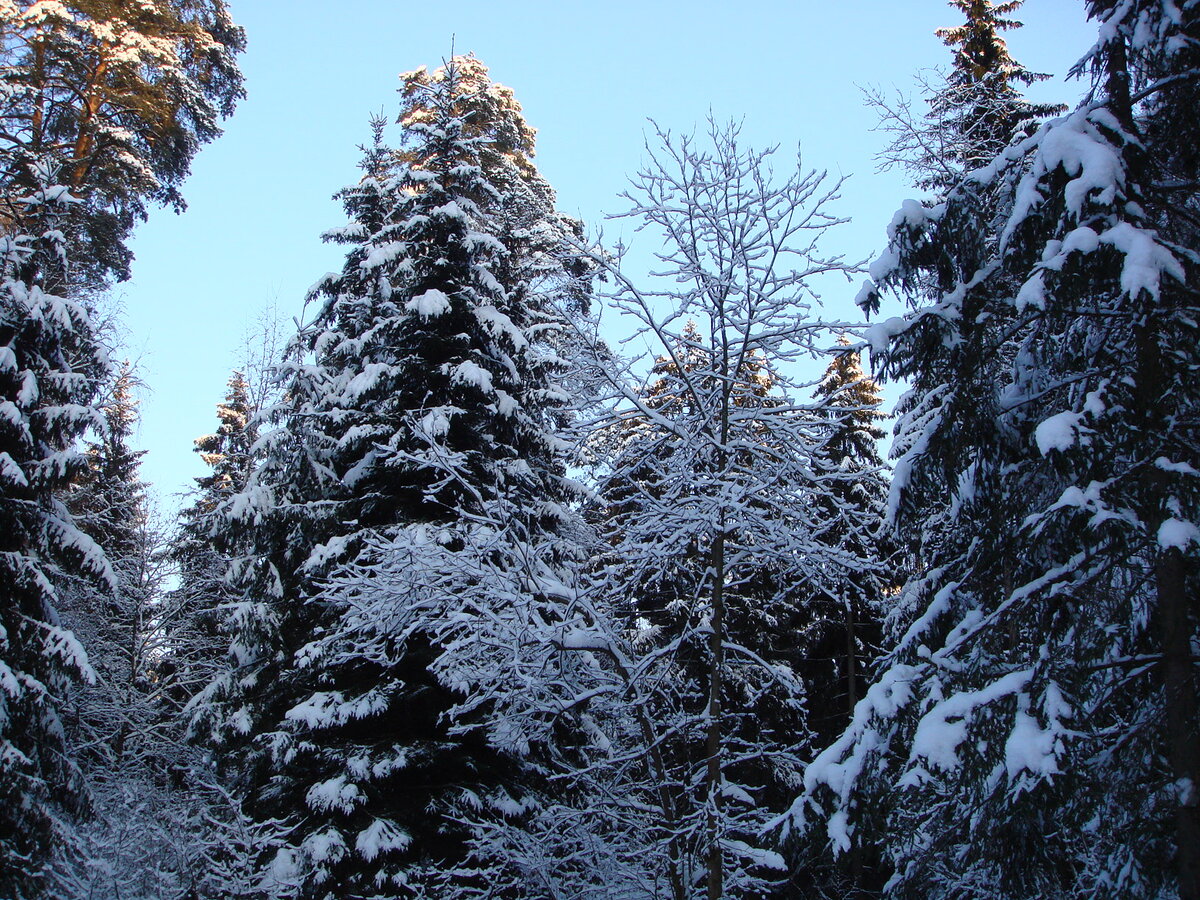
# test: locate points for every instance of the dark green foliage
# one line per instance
(50, 366)
(420, 396)
(1033, 733)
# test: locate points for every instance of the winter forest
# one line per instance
(476, 599)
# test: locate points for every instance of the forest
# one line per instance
(473, 601)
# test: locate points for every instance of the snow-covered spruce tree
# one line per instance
(196, 646)
(844, 637)
(1035, 732)
(541, 237)
(50, 365)
(141, 835)
(973, 111)
(414, 447)
(841, 627)
(974, 114)
(102, 109)
(116, 627)
(714, 526)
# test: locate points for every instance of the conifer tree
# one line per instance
(974, 112)
(50, 365)
(1034, 733)
(197, 644)
(415, 446)
(143, 830)
(847, 635)
(109, 504)
(103, 106)
(122, 95)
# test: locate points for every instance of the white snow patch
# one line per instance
(436, 422)
(327, 845)
(1032, 292)
(1177, 534)
(380, 836)
(1145, 259)
(1029, 748)
(768, 859)
(1058, 432)
(469, 372)
(506, 404)
(429, 304)
(944, 728)
(880, 333)
(1181, 468)
(336, 793)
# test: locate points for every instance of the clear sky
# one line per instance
(588, 76)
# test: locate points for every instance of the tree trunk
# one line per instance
(851, 659)
(1183, 722)
(716, 647)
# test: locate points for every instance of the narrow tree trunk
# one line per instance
(86, 137)
(1183, 718)
(716, 647)
(851, 659)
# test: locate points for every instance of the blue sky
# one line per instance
(588, 76)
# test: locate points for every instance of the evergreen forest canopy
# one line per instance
(471, 604)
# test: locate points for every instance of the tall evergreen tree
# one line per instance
(975, 111)
(103, 107)
(50, 365)
(109, 504)
(197, 644)
(143, 831)
(1035, 732)
(847, 634)
(417, 428)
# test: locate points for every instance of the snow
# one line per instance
(1032, 293)
(884, 265)
(472, 373)
(498, 323)
(506, 404)
(430, 304)
(1059, 432)
(938, 605)
(380, 836)
(1029, 747)
(835, 766)
(1146, 260)
(450, 211)
(757, 855)
(866, 293)
(11, 472)
(1080, 240)
(1074, 144)
(1179, 467)
(62, 643)
(478, 240)
(381, 255)
(838, 829)
(879, 334)
(326, 845)
(1177, 534)
(436, 422)
(323, 709)
(334, 794)
(944, 728)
